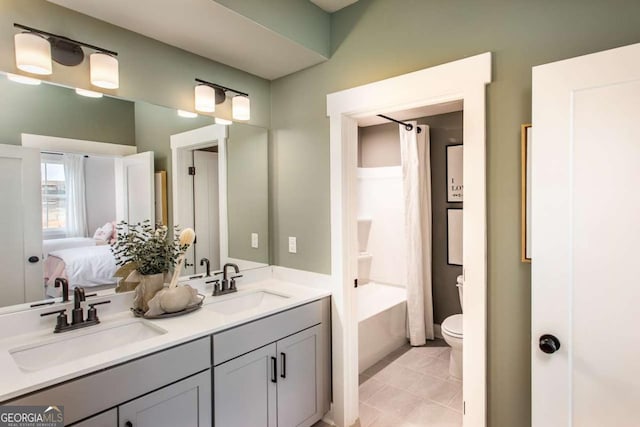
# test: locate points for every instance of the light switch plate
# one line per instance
(293, 245)
(254, 240)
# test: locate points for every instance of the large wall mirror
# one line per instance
(73, 165)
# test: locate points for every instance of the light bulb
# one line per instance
(103, 70)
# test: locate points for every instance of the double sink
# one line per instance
(67, 347)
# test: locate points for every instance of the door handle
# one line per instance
(128, 424)
(283, 366)
(549, 344)
(33, 259)
(274, 369)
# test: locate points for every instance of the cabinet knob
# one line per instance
(33, 259)
(128, 424)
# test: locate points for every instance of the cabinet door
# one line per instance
(245, 390)
(299, 373)
(105, 419)
(186, 403)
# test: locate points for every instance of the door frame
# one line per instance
(463, 80)
(182, 144)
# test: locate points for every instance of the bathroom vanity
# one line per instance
(232, 363)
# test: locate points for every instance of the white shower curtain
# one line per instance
(416, 183)
(75, 189)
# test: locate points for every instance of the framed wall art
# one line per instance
(454, 174)
(454, 236)
(525, 165)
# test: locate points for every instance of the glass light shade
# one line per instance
(205, 98)
(33, 53)
(187, 114)
(88, 93)
(225, 122)
(241, 107)
(23, 79)
(103, 70)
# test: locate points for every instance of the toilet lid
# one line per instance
(453, 325)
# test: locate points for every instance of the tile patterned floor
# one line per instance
(411, 388)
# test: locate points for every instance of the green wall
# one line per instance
(150, 70)
(58, 111)
(377, 39)
(300, 21)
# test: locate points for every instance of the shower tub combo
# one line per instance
(382, 320)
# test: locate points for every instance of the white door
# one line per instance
(135, 188)
(206, 209)
(585, 241)
(20, 225)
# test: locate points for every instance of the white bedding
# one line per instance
(87, 266)
(52, 245)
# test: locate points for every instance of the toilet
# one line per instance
(452, 334)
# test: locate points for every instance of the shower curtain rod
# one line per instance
(407, 126)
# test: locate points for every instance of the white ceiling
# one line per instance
(413, 113)
(208, 29)
(332, 5)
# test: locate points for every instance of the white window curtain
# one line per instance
(416, 182)
(76, 201)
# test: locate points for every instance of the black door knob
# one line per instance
(33, 259)
(549, 344)
(128, 424)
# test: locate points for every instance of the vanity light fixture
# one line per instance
(23, 79)
(187, 114)
(36, 48)
(88, 93)
(208, 94)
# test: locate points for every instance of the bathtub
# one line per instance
(382, 314)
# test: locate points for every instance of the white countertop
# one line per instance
(15, 381)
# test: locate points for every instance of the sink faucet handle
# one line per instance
(232, 284)
(61, 319)
(92, 313)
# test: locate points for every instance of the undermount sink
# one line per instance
(78, 344)
(249, 301)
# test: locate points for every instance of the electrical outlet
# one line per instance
(293, 245)
(254, 240)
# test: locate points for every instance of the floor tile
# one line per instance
(436, 389)
(368, 415)
(398, 376)
(450, 418)
(388, 420)
(369, 388)
(445, 354)
(362, 379)
(394, 401)
(426, 414)
(437, 368)
(456, 402)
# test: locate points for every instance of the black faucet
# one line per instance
(77, 316)
(65, 288)
(78, 297)
(204, 261)
(228, 285)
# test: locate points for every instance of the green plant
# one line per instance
(150, 249)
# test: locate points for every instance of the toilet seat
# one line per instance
(452, 326)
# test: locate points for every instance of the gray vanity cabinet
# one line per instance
(299, 376)
(186, 403)
(274, 372)
(245, 390)
(105, 419)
